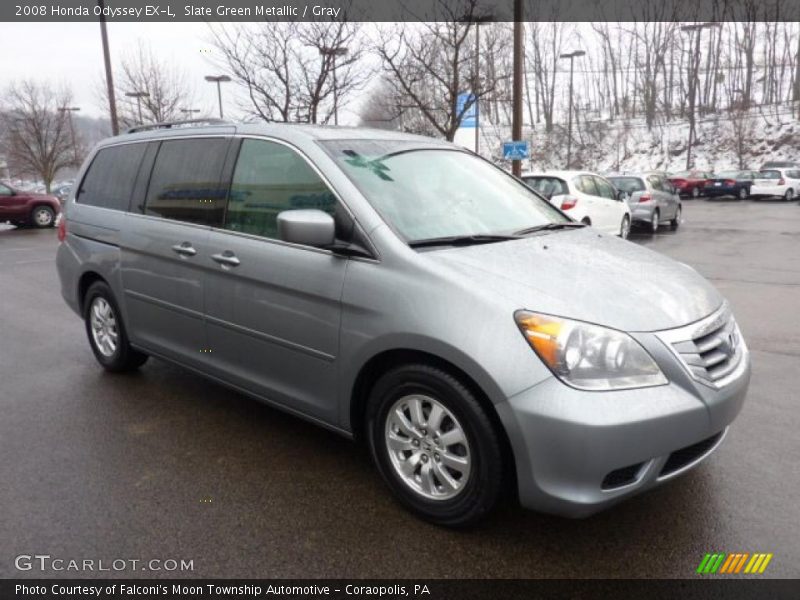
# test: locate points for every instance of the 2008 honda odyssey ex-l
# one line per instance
(402, 290)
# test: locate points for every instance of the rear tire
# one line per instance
(411, 410)
(789, 195)
(695, 192)
(43, 216)
(107, 335)
(743, 193)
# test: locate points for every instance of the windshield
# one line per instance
(628, 184)
(729, 175)
(431, 192)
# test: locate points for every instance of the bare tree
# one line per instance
(430, 64)
(38, 139)
(294, 71)
(163, 89)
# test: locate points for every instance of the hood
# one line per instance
(583, 275)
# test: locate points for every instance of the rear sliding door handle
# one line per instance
(184, 249)
(226, 259)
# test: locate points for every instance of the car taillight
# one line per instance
(568, 203)
(645, 198)
(62, 229)
(678, 182)
(781, 181)
(730, 182)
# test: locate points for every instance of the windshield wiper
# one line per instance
(548, 227)
(462, 240)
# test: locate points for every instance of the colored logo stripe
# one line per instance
(720, 562)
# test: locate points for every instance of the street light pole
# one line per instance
(333, 53)
(694, 67)
(218, 79)
(112, 102)
(138, 96)
(516, 120)
(571, 56)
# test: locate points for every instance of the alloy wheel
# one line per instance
(43, 217)
(104, 327)
(625, 228)
(428, 447)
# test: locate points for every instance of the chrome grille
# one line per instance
(710, 349)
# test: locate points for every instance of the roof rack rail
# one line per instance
(171, 124)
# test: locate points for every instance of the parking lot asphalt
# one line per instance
(164, 464)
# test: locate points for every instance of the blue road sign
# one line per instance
(469, 118)
(515, 150)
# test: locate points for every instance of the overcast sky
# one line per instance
(72, 53)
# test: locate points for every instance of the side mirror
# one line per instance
(308, 227)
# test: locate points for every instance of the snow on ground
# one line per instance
(765, 133)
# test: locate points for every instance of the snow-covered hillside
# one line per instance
(758, 135)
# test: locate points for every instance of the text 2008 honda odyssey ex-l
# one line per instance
(403, 290)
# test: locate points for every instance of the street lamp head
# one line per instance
(574, 54)
(699, 26)
(137, 94)
(338, 51)
(69, 108)
(218, 78)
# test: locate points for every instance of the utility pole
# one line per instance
(218, 79)
(112, 102)
(138, 96)
(516, 120)
(333, 53)
(571, 56)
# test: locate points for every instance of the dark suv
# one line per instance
(26, 208)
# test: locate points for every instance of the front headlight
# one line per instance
(589, 357)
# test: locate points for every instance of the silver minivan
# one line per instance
(403, 291)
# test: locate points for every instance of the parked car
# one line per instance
(777, 182)
(731, 183)
(62, 192)
(586, 197)
(690, 183)
(27, 208)
(405, 291)
(652, 199)
(780, 164)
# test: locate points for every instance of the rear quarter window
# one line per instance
(109, 181)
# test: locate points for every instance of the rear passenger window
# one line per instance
(271, 178)
(109, 181)
(586, 185)
(186, 181)
(604, 189)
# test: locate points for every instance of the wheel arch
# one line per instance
(386, 360)
(85, 281)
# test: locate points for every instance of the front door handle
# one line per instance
(184, 249)
(226, 259)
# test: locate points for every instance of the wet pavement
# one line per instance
(162, 464)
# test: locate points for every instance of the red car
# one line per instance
(690, 183)
(26, 208)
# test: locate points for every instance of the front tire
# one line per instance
(654, 222)
(106, 331)
(625, 227)
(43, 216)
(675, 223)
(434, 445)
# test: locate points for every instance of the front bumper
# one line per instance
(578, 452)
